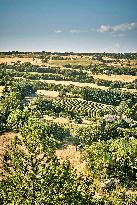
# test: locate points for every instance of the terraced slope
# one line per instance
(83, 107)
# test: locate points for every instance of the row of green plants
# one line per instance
(35, 176)
(116, 84)
(99, 69)
(27, 70)
(48, 73)
(105, 69)
(110, 97)
(105, 130)
(84, 108)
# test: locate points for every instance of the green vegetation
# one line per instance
(31, 172)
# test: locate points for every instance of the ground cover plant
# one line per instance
(87, 157)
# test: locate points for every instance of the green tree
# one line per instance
(34, 174)
(115, 157)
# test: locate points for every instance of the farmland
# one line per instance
(72, 118)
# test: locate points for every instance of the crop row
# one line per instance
(83, 107)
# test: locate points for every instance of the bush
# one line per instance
(35, 176)
(114, 158)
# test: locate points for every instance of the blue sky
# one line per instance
(68, 25)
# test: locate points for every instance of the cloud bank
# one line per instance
(58, 31)
(78, 31)
(118, 28)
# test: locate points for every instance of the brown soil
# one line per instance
(5, 142)
(47, 93)
(69, 152)
(122, 78)
(1, 89)
(13, 60)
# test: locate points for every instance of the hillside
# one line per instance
(68, 128)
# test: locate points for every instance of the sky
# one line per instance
(68, 25)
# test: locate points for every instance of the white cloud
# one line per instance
(58, 31)
(118, 28)
(125, 27)
(104, 28)
(73, 31)
(78, 31)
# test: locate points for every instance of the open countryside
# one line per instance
(68, 102)
(85, 119)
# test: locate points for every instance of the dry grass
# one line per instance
(120, 62)
(37, 61)
(5, 141)
(66, 121)
(1, 89)
(47, 93)
(10, 61)
(87, 122)
(122, 78)
(69, 153)
(60, 120)
(73, 60)
(82, 61)
(78, 84)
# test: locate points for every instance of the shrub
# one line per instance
(116, 157)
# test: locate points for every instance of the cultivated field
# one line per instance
(72, 118)
(122, 78)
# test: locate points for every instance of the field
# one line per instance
(122, 78)
(75, 116)
(73, 59)
(1, 90)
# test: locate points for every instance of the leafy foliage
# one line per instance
(114, 158)
(35, 176)
(32, 173)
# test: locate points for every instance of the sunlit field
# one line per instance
(73, 118)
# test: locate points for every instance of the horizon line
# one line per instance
(40, 51)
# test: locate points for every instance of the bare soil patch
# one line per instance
(10, 61)
(122, 78)
(1, 89)
(61, 120)
(69, 153)
(5, 142)
(47, 93)
(78, 84)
